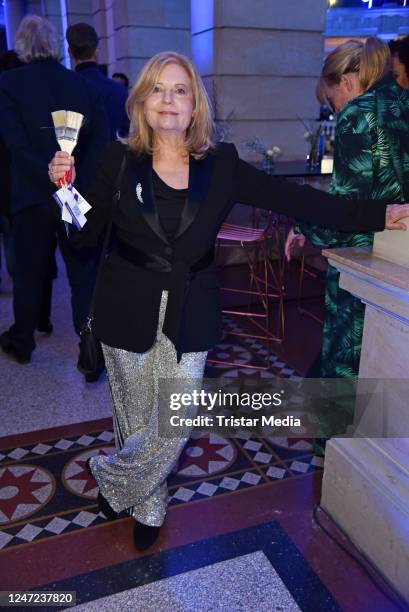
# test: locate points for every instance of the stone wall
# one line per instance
(138, 30)
(261, 59)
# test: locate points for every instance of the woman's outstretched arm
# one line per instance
(304, 203)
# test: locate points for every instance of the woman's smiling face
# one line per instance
(168, 109)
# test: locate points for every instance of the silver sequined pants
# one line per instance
(134, 477)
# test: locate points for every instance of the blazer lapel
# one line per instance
(140, 177)
(200, 172)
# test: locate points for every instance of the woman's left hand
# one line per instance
(395, 212)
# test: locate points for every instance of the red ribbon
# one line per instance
(66, 179)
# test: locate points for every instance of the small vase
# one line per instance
(268, 165)
(313, 157)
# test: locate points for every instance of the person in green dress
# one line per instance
(371, 160)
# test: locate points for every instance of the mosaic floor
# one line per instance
(240, 533)
(46, 489)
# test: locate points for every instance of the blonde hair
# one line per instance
(321, 92)
(199, 135)
(370, 60)
(36, 38)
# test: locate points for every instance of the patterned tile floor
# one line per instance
(240, 509)
(46, 489)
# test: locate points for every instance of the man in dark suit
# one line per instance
(28, 96)
(8, 61)
(83, 49)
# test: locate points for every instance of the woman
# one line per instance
(371, 142)
(400, 59)
(157, 308)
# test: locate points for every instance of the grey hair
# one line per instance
(37, 38)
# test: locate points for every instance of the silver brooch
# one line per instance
(139, 192)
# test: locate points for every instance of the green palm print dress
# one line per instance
(371, 161)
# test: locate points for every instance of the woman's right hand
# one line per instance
(62, 166)
(293, 240)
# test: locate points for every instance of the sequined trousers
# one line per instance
(134, 477)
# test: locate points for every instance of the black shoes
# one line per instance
(144, 535)
(92, 377)
(7, 346)
(105, 508)
(103, 505)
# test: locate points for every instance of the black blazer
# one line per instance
(142, 262)
(28, 95)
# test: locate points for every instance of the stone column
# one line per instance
(103, 22)
(56, 12)
(13, 14)
(262, 59)
(136, 30)
(51, 10)
(366, 477)
(79, 11)
(69, 12)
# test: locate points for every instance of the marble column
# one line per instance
(79, 11)
(134, 31)
(66, 13)
(366, 476)
(103, 22)
(262, 60)
(13, 14)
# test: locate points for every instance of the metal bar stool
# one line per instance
(302, 273)
(265, 282)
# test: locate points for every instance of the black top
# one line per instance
(169, 203)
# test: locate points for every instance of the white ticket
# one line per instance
(73, 206)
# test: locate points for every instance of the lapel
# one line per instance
(140, 177)
(200, 171)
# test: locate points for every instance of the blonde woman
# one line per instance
(157, 309)
(370, 161)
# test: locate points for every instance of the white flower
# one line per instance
(272, 153)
